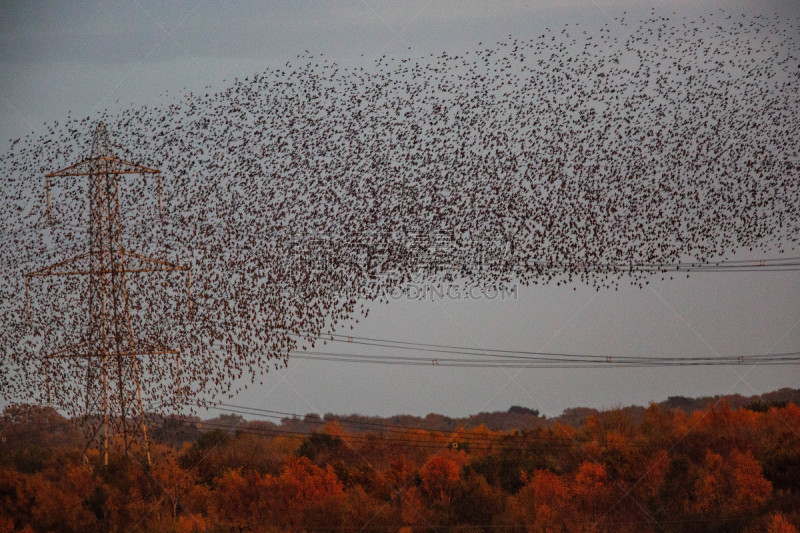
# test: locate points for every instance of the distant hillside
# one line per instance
(575, 416)
(515, 418)
(776, 398)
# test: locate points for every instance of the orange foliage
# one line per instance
(303, 483)
(732, 485)
(439, 476)
(192, 523)
(612, 474)
(541, 505)
(779, 524)
(591, 487)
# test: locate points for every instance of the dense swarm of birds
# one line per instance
(299, 195)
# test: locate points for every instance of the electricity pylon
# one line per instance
(109, 345)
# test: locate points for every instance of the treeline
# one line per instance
(516, 417)
(717, 469)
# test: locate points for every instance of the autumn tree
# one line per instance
(730, 486)
(541, 505)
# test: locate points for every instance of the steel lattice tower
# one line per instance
(109, 345)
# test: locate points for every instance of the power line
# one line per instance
(360, 425)
(523, 358)
(463, 435)
(500, 442)
(478, 363)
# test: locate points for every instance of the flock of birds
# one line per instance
(299, 195)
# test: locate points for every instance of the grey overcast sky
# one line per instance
(83, 57)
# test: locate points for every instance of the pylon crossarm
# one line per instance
(62, 355)
(68, 171)
(80, 351)
(170, 265)
(157, 265)
(96, 272)
(46, 270)
(84, 168)
(148, 348)
(140, 169)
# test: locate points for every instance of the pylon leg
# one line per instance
(122, 405)
(105, 411)
(141, 410)
(47, 381)
(178, 374)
